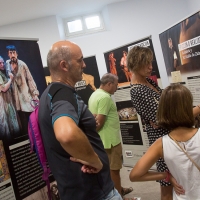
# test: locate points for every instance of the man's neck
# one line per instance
(67, 82)
(102, 87)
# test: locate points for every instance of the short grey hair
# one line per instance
(108, 78)
(55, 56)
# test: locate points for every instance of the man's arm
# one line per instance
(31, 83)
(101, 120)
(74, 141)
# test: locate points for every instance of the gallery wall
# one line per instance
(128, 21)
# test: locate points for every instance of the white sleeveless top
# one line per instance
(180, 166)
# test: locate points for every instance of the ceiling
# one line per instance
(23, 10)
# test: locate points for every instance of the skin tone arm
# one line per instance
(140, 171)
(101, 120)
(7, 85)
(196, 110)
(74, 141)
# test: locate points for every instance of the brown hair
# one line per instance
(139, 57)
(175, 108)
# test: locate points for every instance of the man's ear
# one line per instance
(109, 83)
(64, 65)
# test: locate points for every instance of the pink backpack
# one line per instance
(37, 145)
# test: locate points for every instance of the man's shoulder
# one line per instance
(58, 92)
(101, 94)
(21, 62)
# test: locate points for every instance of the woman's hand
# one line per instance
(177, 188)
(155, 126)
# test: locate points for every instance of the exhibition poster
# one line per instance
(116, 62)
(90, 79)
(22, 81)
(181, 51)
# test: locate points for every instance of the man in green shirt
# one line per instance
(102, 105)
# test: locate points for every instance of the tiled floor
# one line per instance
(146, 190)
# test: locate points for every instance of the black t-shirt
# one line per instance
(61, 100)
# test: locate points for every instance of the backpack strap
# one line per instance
(45, 177)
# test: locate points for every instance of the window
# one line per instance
(75, 26)
(92, 22)
(83, 25)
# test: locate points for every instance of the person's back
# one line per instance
(181, 167)
(111, 124)
(72, 182)
(74, 149)
(176, 114)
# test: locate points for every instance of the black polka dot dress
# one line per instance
(145, 101)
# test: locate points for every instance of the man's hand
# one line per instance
(11, 76)
(97, 122)
(35, 97)
(100, 120)
(88, 167)
(177, 188)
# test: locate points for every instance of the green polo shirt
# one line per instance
(100, 102)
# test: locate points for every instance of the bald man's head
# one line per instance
(65, 62)
(59, 51)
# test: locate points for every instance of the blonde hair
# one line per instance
(139, 57)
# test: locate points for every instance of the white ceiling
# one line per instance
(23, 10)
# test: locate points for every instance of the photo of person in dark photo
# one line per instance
(24, 89)
(190, 29)
(172, 56)
(9, 125)
(112, 63)
(124, 67)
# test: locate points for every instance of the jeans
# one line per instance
(113, 195)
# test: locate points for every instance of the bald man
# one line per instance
(74, 149)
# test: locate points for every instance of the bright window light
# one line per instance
(85, 24)
(92, 22)
(75, 26)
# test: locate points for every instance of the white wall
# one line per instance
(133, 20)
(45, 29)
(128, 21)
(194, 6)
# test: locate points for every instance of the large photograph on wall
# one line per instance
(22, 81)
(116, 61)
(90, 79)
(181, 50)
(133, 132)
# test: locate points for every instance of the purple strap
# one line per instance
(45, 177)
